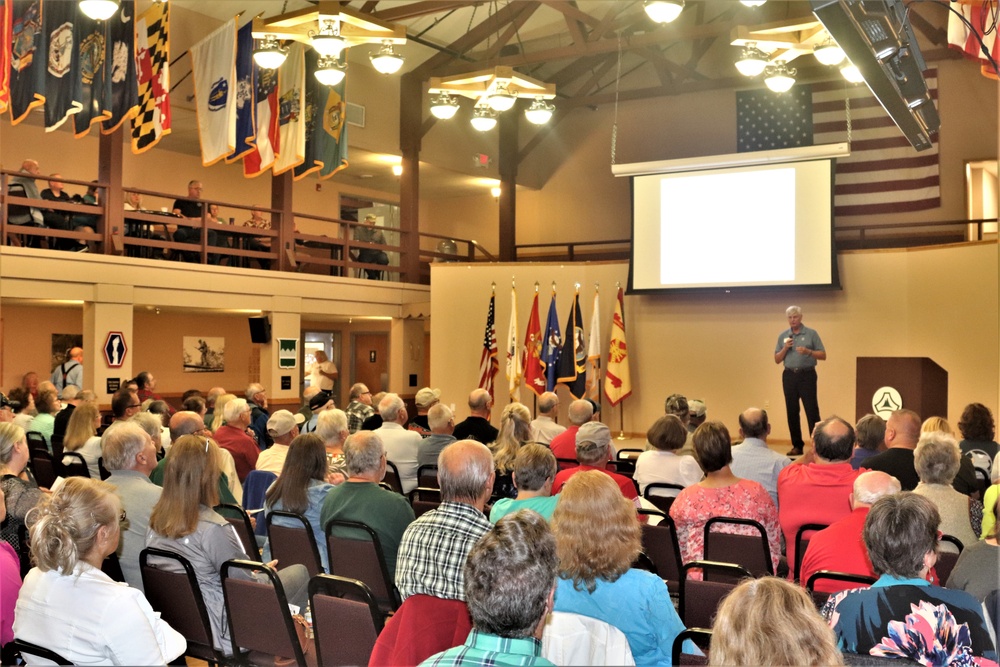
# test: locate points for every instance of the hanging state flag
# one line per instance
(6, 18)
(316, 94)
(534, 370)
(89, 86)
(27, 59)
(291, 111)
(266, 141)
(514, 361)
(213, 62)
(62, 64)
(331, 135)
(552, 346)
(572, 365)
(488, 366)
(981, 16)
(245, 128)
(593, 390)
(617, 379)
(152, 122)
(120, 77)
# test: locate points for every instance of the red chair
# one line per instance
(422, 626)
(659, 543)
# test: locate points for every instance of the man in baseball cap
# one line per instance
(283, 427)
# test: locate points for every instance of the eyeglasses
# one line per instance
(135, 405)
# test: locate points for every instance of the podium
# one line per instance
(922, 384)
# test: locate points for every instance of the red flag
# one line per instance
(534, 373)
(617, 379)
(6, 37)
(488, 365)
(266, 142)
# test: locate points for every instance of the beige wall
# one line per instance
(940, 303)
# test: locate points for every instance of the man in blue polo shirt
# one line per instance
(799, 348)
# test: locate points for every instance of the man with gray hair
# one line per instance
(442, 422)
(753, 459)
(435, 547)
(799, 348)
(839, 547)
(186, 422)
(401, 446)
(593, 444)
(361, 499)
(508, 612)
(544, 426)
(234, 438)
(360, 407)
(257, 399)
(477, 425)
(564, 444)
(130, 455)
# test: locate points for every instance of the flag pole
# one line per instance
(621, 420)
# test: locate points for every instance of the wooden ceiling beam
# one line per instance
(369, 7)
(596, 76)
(664, 68)
(575, 33)
(608, 22)
(416, 9)
(570, 10)
(476, 35)
(574, 70)
(511, 30)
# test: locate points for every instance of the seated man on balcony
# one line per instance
(258, 243)
(29, 216)
(87, 222)
(192, 209)
(60, 219)
(370, 234)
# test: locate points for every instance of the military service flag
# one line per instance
(90, 88)
(617, 379)
(119, 68)
(552, 346)
(573, 358)
(593, 390)
(27, 59)
(265, 103)
(534, 372)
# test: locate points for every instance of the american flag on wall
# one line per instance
(488, 365)
(883, 174)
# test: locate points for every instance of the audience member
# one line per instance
(282, 428)
(10, 582)
(188, 423)
(936, 460)
(87, 222)
(70, 372)
(374, 420)
(307, 395)
(509, 579)
(661, 464)
(977, 566)
(323, 372)
(233, 437)
(130, 455)
(146, 383)
(162, 411)
(442, 422)
(401, 446)
(71, 534)
(22, 406)
(195, 404)
(544, 426)
(721, 494)
(753, 459)
(597, 541)
(769, 621)
(936, 425)
(677, 405)
(191, 209)
(48, 407)
(515, 431)
(331, 427)
(81, 437)
(477, 425)
(902, 615)
(301, 488)
(696, 414)
(593, 442)
(320, 402)
(534, 474)
(151, 425)
(818, 491)
(369, 234)
(361, 498)
(21, 492)
(434, 548)
(257, 399)
(564, 444)
(29, 382)
(360, 407)
(124, 406)
(219, 416)
(839, 547)
(210, 401)
(870, 431)
(425, 399)
(33, 218)
(978, 435)
(60, 220)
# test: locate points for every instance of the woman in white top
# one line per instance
(71, 534)
(662, 464)
(81, 437)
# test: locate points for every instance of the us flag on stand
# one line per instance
(883, 173)
(488, 365)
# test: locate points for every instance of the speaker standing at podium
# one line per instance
(799, 347)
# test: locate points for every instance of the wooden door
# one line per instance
(370, 360)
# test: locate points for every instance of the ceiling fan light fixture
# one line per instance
(540, 112)
(484, 120)
(779, 78)
(444, 106)
(269, 54)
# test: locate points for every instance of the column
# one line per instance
(406, 356)
(109, 312)
(286, 323)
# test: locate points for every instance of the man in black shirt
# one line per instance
(192, 210)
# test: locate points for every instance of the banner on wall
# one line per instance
(213, 61)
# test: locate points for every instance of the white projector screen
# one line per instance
(759, 225)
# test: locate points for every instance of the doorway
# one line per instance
(370, 360)
(981, 198)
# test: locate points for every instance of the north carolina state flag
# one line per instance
(267, 141)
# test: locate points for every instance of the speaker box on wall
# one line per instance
(260, 330)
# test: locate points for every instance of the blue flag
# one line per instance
(245, 118)
(572, 366)
(551, 347)
(120, 77)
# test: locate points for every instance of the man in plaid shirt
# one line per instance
(360, 408)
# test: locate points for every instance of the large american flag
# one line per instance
(883, 173)
(488, 365)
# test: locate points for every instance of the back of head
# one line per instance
(439, 416)
(753, 423)
(509, 574)
(906, 426)
(390, 407)
(252, 390)
(331, 425)
(667, 433)
(597, 535)
(834, 440)
(190, 480)
(937, 458)
(234, 409)
(194, 404)
(515, 430)
(305, 462)
(10, 435)
(120, 445)
(977, 423)
(185, 423)
(939, 424)
(363, 454)
(142, 379)
(770, 621)
(899, 531)
(677, 405)
(465, 471)
(218, 412)
(64, 526)
(870, 432)
(533, 466)
(479, 400)
(121, 402)
(547, 402)
(149, 423)
(712, 446)
(69, 392)
(47, 402)
(874, 484)
(580, 412)
(593, 443)
(82, 426)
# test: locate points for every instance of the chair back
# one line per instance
(802, 536)
(36, 441)
(662, 501)
(574, 639)
(293, 544)
(27, 649)
(565, 464)
(346, 620)
(749, 551)
(177, 598)
(392, 478)
(356, 553)
(659, 542)
(255, 486)
(240, 520)
(425, 499)
(24, 549)
(946, 559)
(74, 465)
(57, 446)
(259, 618)
(625, 460)
(105, 473)
(819, 597)
(112, 567)
(427, 476)
(43, 468)
(699, 599)
(702, 638)
(18, 214)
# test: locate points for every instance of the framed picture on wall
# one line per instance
(63, 343)
(204, 354)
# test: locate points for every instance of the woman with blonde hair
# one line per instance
(71, 534)
(935, 425)
(770, 621)
(81, 437)
(515, 430)
(184, 521)
(218, 418)
(21, 492)
(597, 540)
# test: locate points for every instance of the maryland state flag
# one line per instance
(573, 359)
(291, 110)
(534, 371)
(245, 129)
(153, 58)
(617, 379)
(488, 365)
(266, 140)
(6, 18)
(120, 78)
(90, 89)
(551, 346)
(27, 59)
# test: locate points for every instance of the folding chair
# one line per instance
(699, 600)
(29, 649)
(360, 557)
(43, 467)
(625, 460)
(424, 499)
(293, 544)
(105, 473)
(346, 620)
(36, 441)
(427, 476)
(259, 618)
(254, 488)
(750, 551)
(819, 597)
(113, 568)
(662, 502)
(946, 560)
(392, 478)
(240, 520)
(74, 465)
(702, 638)
(659, 542)
(802, 543)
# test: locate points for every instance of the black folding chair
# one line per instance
(43, 468)
(802, 543)
(360, 556)
(427, 476)
(28, 649)
(749, 551)
(36, 441)
(258, 614)
(346, 620)
(240, 520)
(296, 544)
(699, 600)
(392, 478)
(662, 502)
(702, 638)
(74, 465)
(819, 597)
(659, 542)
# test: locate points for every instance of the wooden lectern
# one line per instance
(922, 384)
